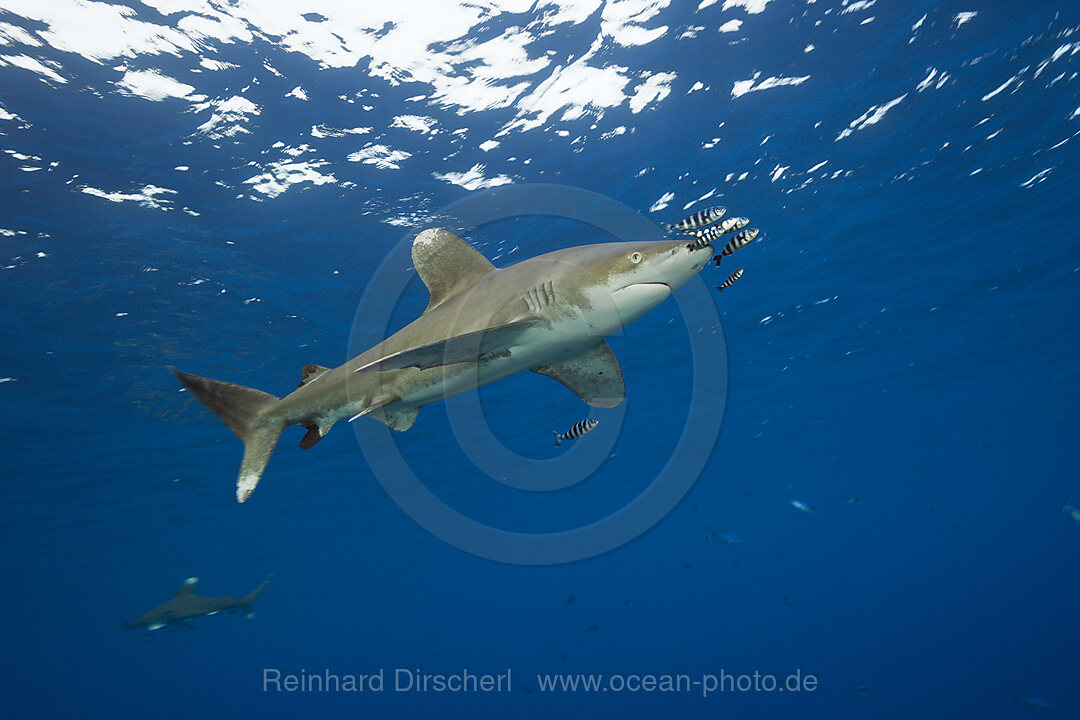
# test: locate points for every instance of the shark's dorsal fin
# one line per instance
(447, 264)
(310, 372)
(594, 376)
(468, 347)
(188, 588)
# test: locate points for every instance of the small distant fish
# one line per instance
(801, 506)
(731, 280)
(581, 427)
(699, 219)
(1031, 701)
(743, 238)
(730, 538)
(1071, 511)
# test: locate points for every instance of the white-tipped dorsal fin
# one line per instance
(447, 264)
(188, 588)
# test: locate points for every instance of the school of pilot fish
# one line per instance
(709, 225)
(703, 228)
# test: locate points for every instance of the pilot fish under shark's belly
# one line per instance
(548, 314)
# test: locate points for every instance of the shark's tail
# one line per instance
(246, 412)
(249, 599)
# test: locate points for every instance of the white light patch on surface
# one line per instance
(663, 202)
(15, 35)
(653, 90)
(962, 17)
(473, 178)
(152, 85)
(322, 131)
(234, 110)
(380, 156)
(731, 26)
(280, 176)
(741, 87)
(870, 117)
(298, 93)
(857, 6)
(417, 123)
(33, 65)
(623, 21)
(753, 7)
(147, 197)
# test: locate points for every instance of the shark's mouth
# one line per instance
(634, 300)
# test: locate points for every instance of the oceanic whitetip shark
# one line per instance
(186, 605)
(549, 314)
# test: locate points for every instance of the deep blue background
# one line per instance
(938, 387)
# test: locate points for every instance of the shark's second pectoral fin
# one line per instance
(594, 376)
(468, 347)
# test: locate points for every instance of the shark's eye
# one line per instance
(635, 257)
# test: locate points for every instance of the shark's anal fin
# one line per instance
(311, 372)
(594, 376)
(447, 264)
(468, 347)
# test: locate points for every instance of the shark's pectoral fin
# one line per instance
(594, 376)
(311, 372)
(396, 417)
(447, 264)
(468, 347)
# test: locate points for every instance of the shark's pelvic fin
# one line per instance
(246, 412)
(311, 372)
(468, 347)
(396, 417)
(594, 376)
(447, 264)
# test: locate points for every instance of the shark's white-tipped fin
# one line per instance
(594, 376)
(447, 264)
(188, 588)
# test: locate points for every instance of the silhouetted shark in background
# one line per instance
(186, 605)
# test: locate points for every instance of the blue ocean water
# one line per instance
(214, 186)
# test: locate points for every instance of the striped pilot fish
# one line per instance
(581, 427)
(731, 280)
(743, 238)
(706, 236)
(731, 224)
(698, 220)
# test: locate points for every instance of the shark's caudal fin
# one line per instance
(249, 600)
(246, 412)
